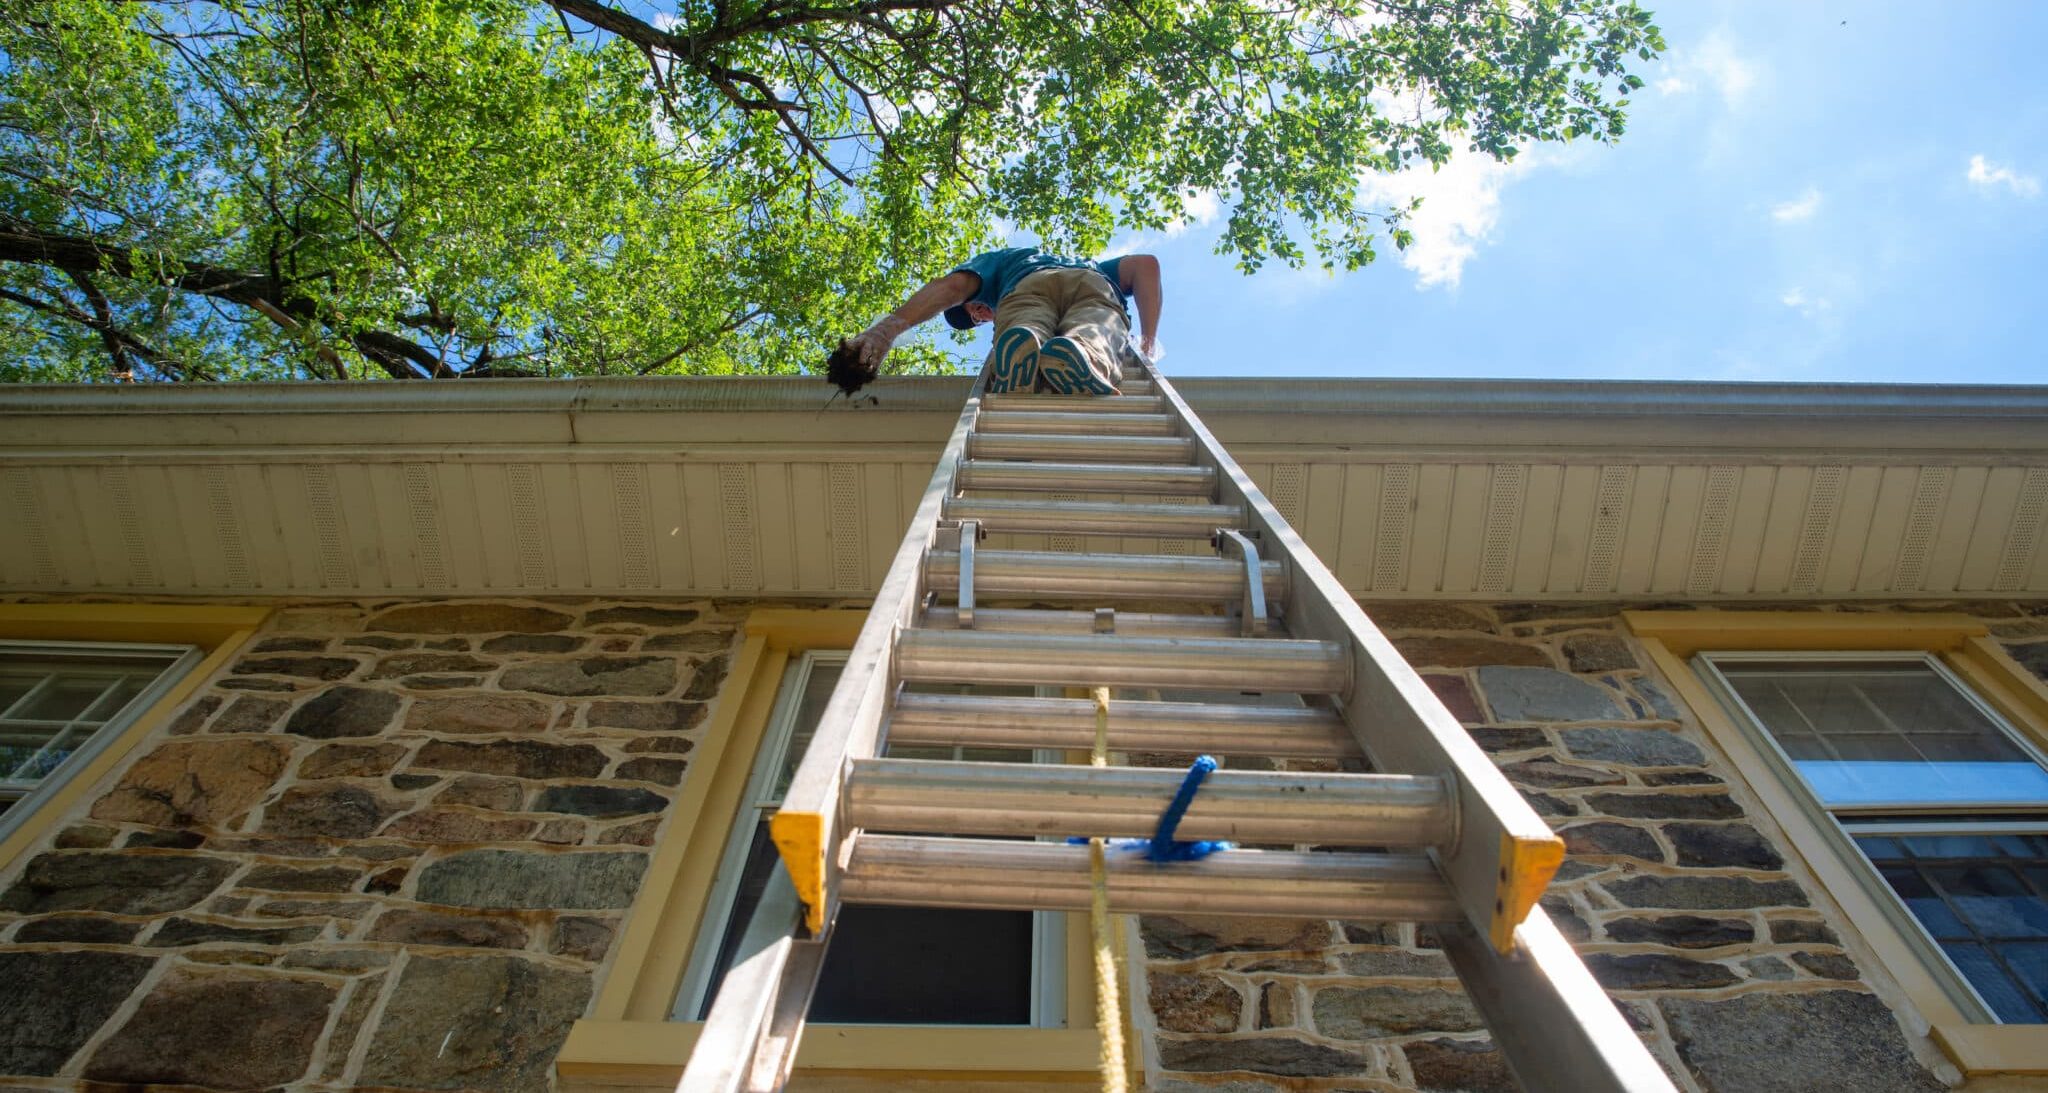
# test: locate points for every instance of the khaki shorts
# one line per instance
(1078, 304)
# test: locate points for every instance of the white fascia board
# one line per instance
(1523, 418)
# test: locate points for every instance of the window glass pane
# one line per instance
(116, 697)
(1878, 732)
(1920, 897)
(39, 765)
(1993, 900)
(1951, 846)
(817, 692)
(2029, 964)
(922, 965)
(1988, 911)
(14, 685)
(19, 747)
(66, 697)
(1998, 989)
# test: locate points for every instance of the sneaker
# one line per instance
(1015, 364)
(1064, 366)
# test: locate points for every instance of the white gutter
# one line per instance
(1570, 398)
(1340, 418)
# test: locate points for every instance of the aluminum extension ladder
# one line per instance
(1453, 843)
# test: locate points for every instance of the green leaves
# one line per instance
(437, 187)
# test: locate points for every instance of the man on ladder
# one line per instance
(1435, 834)
(1060, 322)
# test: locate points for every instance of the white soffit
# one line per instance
(759, 486)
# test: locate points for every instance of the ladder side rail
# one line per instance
(1502, 854)
(768, 976)
(808, 829)
(1550, 1018)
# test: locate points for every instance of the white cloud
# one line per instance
(1802, 208)
(1460, 206)
(1987, 174)
(1714, 63)
(1198, 211)
(1807, 306)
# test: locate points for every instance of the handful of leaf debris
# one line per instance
(846, 370)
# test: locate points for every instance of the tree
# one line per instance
(214, 189)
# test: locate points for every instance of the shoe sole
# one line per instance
(1015, 367)
(1064, 367)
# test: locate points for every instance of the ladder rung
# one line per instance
(1109, 660)
(1089, 405)
(986, 721)
(986, 474)
(1040, 422)
(1001, 875)
(1096, 517)
(1066, 446)
(1100, 577)
(1039, 621)
(951, 797)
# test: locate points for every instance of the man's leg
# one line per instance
(1024, 322)
(1085, 355)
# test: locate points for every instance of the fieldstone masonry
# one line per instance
(1722, 959)
(388, 846)
(391, 846)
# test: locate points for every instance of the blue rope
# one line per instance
(1162, 846)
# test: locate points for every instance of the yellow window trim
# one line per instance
(220, 632)
(1963, 645)
(628, 1040)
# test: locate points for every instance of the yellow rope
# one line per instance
(1109, 1008)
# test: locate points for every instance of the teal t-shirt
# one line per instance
(1000, 270)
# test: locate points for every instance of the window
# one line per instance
(641, 1025)
(887, 965)
(1902, 755)
(62, 702)
(1945, 802)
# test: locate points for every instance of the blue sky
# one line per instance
(1797, 198)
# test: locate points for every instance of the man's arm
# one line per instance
(937, 295)
(1140, 276)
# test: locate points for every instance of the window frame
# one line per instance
(1962, 646)
(627, 1037)
(1048, 931)
(1835, 822)
(182, 659)
(219, 631)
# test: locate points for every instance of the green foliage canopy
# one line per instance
(230, 189)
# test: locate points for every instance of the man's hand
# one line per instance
(873, 344)
(870, 347)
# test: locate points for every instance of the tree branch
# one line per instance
(290, 309)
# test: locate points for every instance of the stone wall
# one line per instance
(392, 844)
(1724, 958)
(388, 846)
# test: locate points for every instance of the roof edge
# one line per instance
(757, 394)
